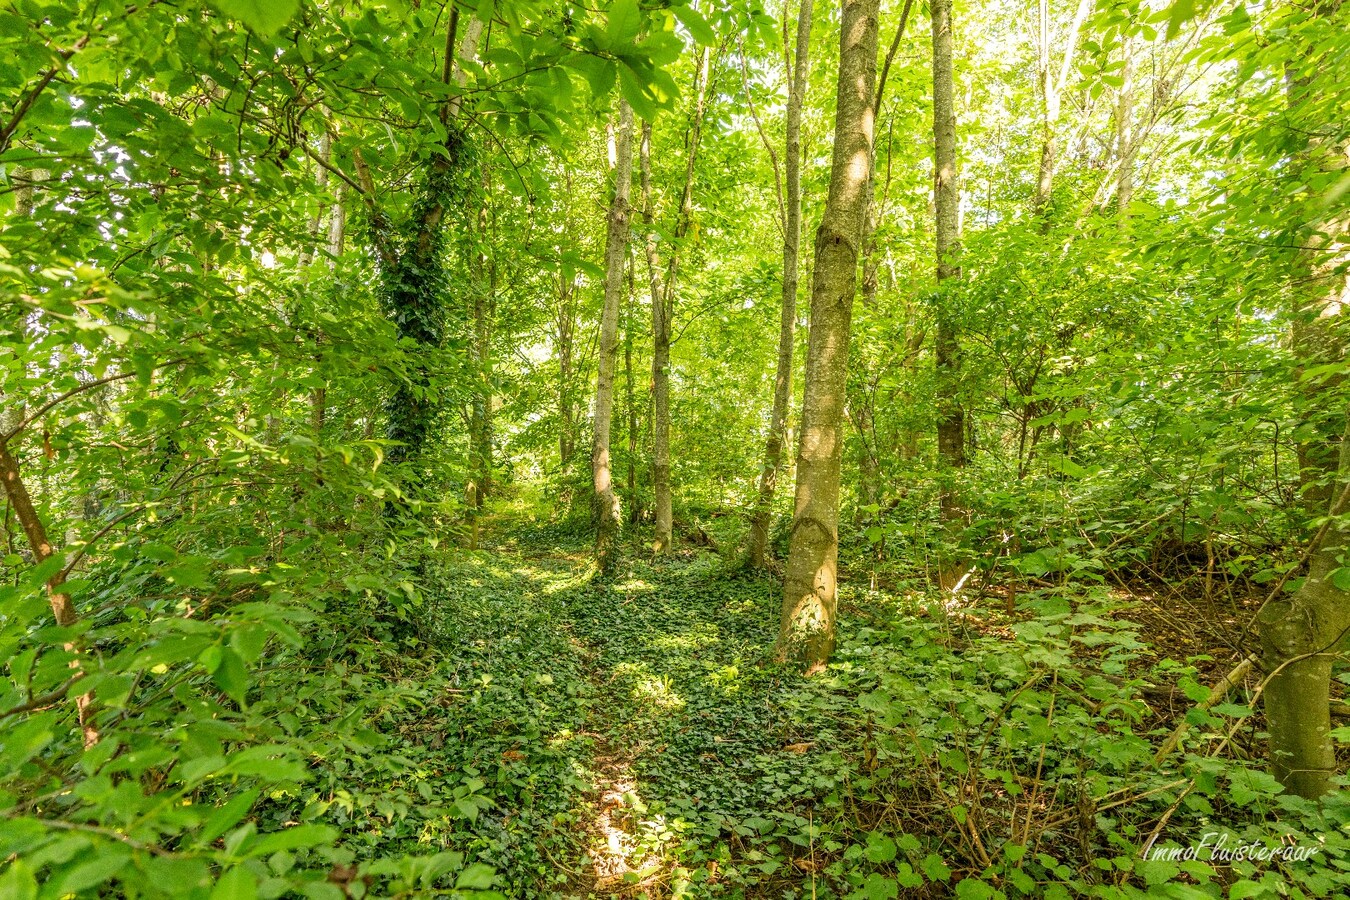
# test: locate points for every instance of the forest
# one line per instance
(856, 449)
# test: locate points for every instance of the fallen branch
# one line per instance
(1216, 696)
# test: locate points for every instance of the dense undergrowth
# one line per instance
(503, 721)
(634, 737)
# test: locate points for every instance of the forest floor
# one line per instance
(633, 737)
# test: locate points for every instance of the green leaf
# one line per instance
(295, 838)
(93, 872)
(231, 676)
(879, 887)
(18, 882)
(477, 877)
(1181, 12)
(263, 16)
(880, 848)
(698, 27)
(635, 92)
(236, 884)
(226, 815)
(623, 22)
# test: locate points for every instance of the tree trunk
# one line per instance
(809, 589)
(1125, 142)
(480, 420)
(663, 300)
(951, 416)
(661, 537)
(1052, 90)
(630, 400)
(608, 517)
(566, 326)
(1301, 636)
(757, 551)
(63, 608)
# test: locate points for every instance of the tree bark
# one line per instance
(757, 550)
(663, 524)
(1302, 634)
(663, 301)
(566, 326)
(951, 421)
(807, 625)
(608, 517)
(63, 608)
(1052, 90)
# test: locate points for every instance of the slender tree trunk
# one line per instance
(480, 420)
(566, 325)
(663, 300)
(1125, 143)
(1052, 90)
(951, 422)
(63, 608)
(807, 626)
(630, 400)
(661, 309)
(757, 551)
(862, 407)
(608, 516)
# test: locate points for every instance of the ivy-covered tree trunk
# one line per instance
(807, 623)
(757, 550)
(951, 421)
(608, 517)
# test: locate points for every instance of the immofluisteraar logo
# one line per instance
(1222, 847)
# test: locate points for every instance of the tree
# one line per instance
(791, 215)
(608, 516)
(951, 423)
(807, 625)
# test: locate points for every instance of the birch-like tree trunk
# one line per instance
(1052, 91)
(807, 626)
(757, 550)
(951, 415)
(607, 513)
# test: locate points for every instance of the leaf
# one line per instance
(623, 22)
(92, 873)
(263, 16)
(226, 815)
(636, 93)
(698, 27)
(236, 884)
(18, 882)
(879, 887)
(295, 838)
(880, 848)
(231, 676)
(477, 877)
(1181, 12)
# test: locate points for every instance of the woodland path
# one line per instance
(699, 749)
